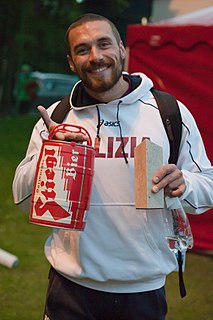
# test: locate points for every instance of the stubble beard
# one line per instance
(101, 85)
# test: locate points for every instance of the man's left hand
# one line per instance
(171, 179)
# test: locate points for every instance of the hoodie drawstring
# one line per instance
(99, 123)
(97, 139)
(121, 136)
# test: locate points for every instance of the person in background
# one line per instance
(116, 268)
(26, 89)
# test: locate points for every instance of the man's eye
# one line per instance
(104, 44)
(81, 51)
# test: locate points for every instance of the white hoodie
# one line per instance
(121, 249)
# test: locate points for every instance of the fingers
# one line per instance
(169, 178)
(163, 172)
(163, 177)
(68, 136)
(47, 120)
(77, 137)
(175, 192)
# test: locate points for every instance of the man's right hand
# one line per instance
(68, 136)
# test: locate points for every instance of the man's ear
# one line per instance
(122, 50)
(69, 59)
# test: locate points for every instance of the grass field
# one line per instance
(22, 290)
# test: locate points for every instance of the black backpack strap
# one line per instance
(171, 117)
(61, 110)
(182, 287)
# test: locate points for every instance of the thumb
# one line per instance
(45, 116)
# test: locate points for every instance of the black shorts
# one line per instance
(67, 300)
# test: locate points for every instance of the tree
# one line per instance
(32, 32)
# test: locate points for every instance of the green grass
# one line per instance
(22, 290)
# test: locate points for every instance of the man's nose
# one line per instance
(95, 54)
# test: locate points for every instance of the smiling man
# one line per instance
(97, 56)
(116, 268)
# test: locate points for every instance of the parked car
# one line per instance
(52, 87)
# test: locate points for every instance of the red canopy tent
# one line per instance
(177, 55)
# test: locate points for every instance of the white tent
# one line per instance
(202, 17)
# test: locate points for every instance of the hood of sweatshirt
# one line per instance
(139, 83)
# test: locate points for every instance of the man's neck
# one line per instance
(115, 93)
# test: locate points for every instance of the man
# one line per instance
(116, 268)
(26, 89)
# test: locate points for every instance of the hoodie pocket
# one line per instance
(154, 230)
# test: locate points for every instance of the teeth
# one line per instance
(100, 69)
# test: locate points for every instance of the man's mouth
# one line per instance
(98, 70)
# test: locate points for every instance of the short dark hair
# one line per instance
(92, 17)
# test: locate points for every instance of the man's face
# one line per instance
(96, 56)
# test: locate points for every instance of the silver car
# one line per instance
(52, 87)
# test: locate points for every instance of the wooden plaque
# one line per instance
(148, 157)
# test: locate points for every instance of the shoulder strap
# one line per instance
(171, 117)
(61, 110)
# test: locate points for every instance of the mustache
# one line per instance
(94, 65)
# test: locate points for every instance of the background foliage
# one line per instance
(32, 31)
